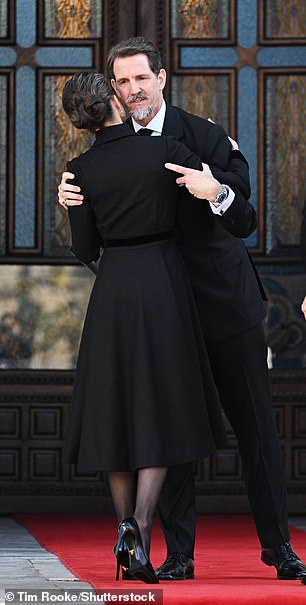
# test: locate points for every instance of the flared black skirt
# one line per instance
(144, 393)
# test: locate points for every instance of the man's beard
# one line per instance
(141, 114)
(138, 113)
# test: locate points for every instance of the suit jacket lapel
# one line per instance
(172, 123)
(130, 123)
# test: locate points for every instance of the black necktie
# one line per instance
(145, 132)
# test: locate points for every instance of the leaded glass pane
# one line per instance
(206, 96)
(285, 145)
(4, 19)
(25, 159)
(3, 159)
(73, 19)
(61, 143)
(285, 326)
(200, 19)
(26, 23)
(41, 315)
(285, 19)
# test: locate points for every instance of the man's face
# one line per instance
(140, 90)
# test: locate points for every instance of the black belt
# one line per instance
(138, 240)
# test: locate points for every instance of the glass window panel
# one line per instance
(61, 143)
(26, 23)
(285, 19)
(71, 56)
(285, 144)
(3, 159)
(201, 56)
(8, 56)
(204, 95)
(200, 19)
(41, 315)
(73, 19)
(25, 159)
(285, 326)
(247, 23)
(4, 19)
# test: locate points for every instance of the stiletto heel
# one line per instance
(130, 554)
(118, 569)
(121, 555)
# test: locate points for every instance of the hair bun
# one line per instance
(87, 100)
(95, 107)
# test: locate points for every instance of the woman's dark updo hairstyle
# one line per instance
(86, 99)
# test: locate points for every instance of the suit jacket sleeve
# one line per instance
(231, 168)
(179, 154)
(85, 238)
(236, 174)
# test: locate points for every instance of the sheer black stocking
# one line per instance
(149, 484)
(137, 499)
(123, 490)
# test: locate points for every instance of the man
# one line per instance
(229, 299)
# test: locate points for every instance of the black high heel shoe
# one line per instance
(130, 554)
(123, 561)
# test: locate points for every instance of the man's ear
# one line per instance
(113, 83)
(117, 103)
(162, 77)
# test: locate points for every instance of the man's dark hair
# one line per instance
(134, 46)
(86, 99)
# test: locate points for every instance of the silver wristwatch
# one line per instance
(222, 196)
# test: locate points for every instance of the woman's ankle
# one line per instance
(145, 529)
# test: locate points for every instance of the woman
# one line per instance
(144, 398)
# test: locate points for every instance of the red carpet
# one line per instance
(228, 567)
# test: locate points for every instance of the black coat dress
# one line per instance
(143, 394)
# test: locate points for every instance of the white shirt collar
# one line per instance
(156, 123)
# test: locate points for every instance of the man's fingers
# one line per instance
(206, 169)
(178, 168)
(71, 196)
(66, 187)
(74, 202)
(67, 175)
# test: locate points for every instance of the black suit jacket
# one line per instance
(227, 288)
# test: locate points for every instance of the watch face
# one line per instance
(222, 196)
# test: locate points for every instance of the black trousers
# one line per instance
(241, 375)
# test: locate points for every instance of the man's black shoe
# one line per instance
(285, 560)
(176, 567)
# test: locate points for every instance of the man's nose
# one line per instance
(134, 87)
